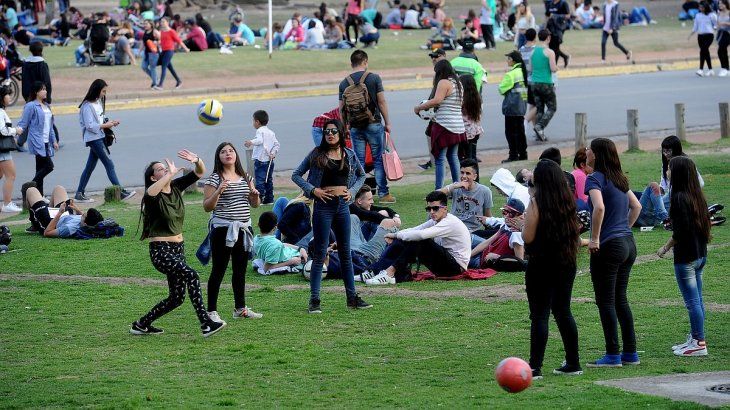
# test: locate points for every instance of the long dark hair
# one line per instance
(472, 104)
(673, 143)
(444, 71)
(143, 216)
(218, 164)
(35, 88)
(4, 90)
(558, 224)
(687, 202)
(94, 91)
(608, 163)
(320, 158)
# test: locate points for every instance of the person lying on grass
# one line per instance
(274, 253)
(67, 218)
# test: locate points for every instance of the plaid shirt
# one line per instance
(321, 119)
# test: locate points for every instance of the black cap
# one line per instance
(437, 52)
(514, 55)
(189, 22)
(467, 44)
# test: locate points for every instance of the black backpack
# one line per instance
(5, 236)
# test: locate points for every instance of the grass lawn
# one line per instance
(65, 343)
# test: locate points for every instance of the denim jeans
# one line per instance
(264, 180)
(373, 135)
(333, 214)
(639, 14)
(97, 152)
(149, 66)
(278, 210)
(689, 279)
(475, 261)
(653, 209)
(317, 138)
(372, 248)
(80, 55)
(166, 57)
(451, 154)
(610, 269)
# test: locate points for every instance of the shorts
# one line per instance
(5, 156)
(530, 95)
(40, 215)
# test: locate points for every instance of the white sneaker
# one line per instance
(246, 313)
(214, 316)
(11, 207)
(683, 345)
(368, 274)
(381, 278)
(723, 73)
(709, 73)
(694, 348)
(700, 73)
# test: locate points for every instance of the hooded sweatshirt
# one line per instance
(505, 181)
(36, 69)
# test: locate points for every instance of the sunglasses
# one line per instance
(331, 131)
(434, 208)
(507, 212)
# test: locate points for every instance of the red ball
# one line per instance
(513, 374)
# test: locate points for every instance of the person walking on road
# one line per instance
(611, 25)
(7, 166)
(723, 37)
(93, 121)
(363, 107)
(543, 89)
(150, 40)
(37, 119)
(704, 26)
(168, 39)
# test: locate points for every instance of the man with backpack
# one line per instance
(363, 108)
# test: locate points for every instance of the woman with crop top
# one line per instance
(447, 129)
(163, 214)
(334, 177)
(229, 193)
(168, 40)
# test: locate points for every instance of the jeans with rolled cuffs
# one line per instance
(333, 214)
(373, 135)
(689, 279)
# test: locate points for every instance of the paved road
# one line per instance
(151, 134)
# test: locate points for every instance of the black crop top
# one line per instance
(332, 175)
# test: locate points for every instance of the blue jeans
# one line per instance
(653, 209)
(475, 261)
(166, 57)
(689, 279)
(370, 38)
(374, 135)
(639, 14)
(278, 210)
(521, 40)
(317, 138)
(334, 214)
(80, 55)
(149, 66)
(264, 180)
(684, 15)
(97, 152)
(452, 155)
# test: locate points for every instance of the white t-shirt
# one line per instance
(47, 117)
(99, 110)
(449, 233)
(411, 19)
(607, 16)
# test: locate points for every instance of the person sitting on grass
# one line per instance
(370, 216)
(442, 244)
(273, 252)
(66, 221)
(505, 250)
(370, 34)
(471, 201)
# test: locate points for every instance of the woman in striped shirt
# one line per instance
(447, 127)
(229, 193)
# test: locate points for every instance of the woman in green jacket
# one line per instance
(514, 107)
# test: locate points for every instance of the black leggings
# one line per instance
(43, 167)
(351, 22)
(705, 41)
(610, 269)
(169, 258)
(550, 291)
(514, 131)
(221, 254)
(555, 46)
(614, 37)
(488, 34)
(723, 40)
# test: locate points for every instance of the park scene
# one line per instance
(523, 201)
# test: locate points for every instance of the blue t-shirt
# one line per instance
(616, 217)
(68, 225)
(247, 33)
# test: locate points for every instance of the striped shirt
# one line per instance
(449, 114)
(233, 202)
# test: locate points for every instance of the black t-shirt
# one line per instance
(690, 245)
(205, 26)
(374, 85)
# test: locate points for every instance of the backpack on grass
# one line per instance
(356, 103)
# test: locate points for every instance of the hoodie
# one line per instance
(36, 69)
(505, 181)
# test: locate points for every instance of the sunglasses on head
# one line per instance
(434, 208)
(331, 131)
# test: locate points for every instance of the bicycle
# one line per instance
(13, 83)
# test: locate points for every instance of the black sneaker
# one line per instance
(425, 165)
(504, 161)
(536, 374)
(570, 370)
(354, 302)
(81, 197)
(138, 329)
(211, 328)
(31, 229)
(127, 194)
(314, 306)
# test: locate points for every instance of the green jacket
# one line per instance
(470, 66)
(513, 78)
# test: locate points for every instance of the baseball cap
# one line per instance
(467, 44)
(515, 205)
(436, 52)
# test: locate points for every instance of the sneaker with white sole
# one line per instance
(569, 370)
(700, 73)
(709, 73)
(684, 344)
(211, 328)
(368, 274)
(140, 330)
(81, 197)
(694, 348)
(246, 313)
(11, 207)
(214, 316)
(723, 73)
(381, 278)
(127, 194)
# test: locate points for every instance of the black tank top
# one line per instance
(148, 36)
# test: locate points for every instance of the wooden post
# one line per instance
(724, 120)
(632, 124)
(249, 162)
(679, 122)
(581, 129)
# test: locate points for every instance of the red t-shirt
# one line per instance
(500, 246)
(168, 39)
(198, 36)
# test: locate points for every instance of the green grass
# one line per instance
(65, 344)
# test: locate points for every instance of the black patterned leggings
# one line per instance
(169, 258)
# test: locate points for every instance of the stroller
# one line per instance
(100, 52)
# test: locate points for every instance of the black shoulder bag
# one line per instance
(109, 136)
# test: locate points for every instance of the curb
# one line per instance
(134, 101)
